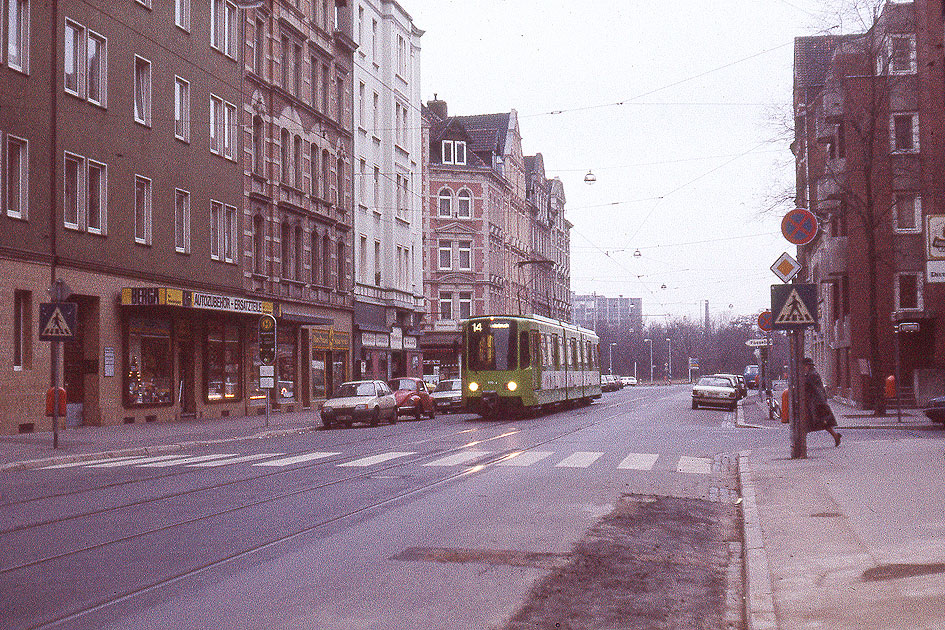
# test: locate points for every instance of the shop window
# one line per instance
(223, 366)
(285, 363)
(149, 363)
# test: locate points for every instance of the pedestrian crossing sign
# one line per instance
(57, 321)
(793, 306)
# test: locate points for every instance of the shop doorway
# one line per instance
(186, 388)
(80, 364)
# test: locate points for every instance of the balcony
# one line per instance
(831, 256)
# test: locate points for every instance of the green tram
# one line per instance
(522, 364)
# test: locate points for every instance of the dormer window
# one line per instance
(454, 152)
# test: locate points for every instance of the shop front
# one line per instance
(329, 361)
(189, 354)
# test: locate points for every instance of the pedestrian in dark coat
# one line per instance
(820, 417)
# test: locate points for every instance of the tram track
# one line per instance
(210, 518)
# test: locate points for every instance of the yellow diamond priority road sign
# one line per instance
(785, 267)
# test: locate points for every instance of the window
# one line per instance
(297, 259)
(361, 103)
(341, 266)
(908, 291)
(297, 160)
(149, 363)
(223, 360)
(362, 259)
(362, 180)
(446, 255)
(446, 305)
(907, 213)
(297, 70)
(464, 206)
(340, 183)
(285, 362)
(142, 210)
(314, 169)
(97, 184)
(902, 54)
(377, 189)
(216, 226)
(285, 240)
(181, 109)
(465, 255)
(97, 72)
(142, 91)
(18, 34)
(22, 314)
(315, 258)
(229, 131)
(182, 14)
(326, 260)
(445, 203)
(453, 152)
(181, 221)
(326, 175)
(284, 62)
(73, 63)
(259, 52)
(401, 56)
(73, 176)
(224, 25)
(904, 133)
(284, 157)
(259, 247)
(16, 178)
(259, 144)
(377, 263)
(465, 304)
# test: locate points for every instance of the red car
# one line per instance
(413, 397)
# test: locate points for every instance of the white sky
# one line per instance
(685, 167)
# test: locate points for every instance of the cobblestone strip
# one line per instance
(759, 599)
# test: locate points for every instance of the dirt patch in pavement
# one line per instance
(653, 563)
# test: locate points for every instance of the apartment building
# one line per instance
(495, 237)
(387, 162)
(869, 150)
(117, 184)
(298, 204)
(602, 313)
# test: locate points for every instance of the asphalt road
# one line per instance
(455, 522)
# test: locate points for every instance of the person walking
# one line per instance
(820, 417)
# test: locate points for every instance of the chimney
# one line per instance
(438, 107)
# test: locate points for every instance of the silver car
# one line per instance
(360, 401)
(715, 391)
(448, 395)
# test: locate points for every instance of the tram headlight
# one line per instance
(512, 385)
(474, 386)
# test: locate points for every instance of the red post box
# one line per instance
(51, 404)
(890, 386)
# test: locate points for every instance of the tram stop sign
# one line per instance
(267, 340)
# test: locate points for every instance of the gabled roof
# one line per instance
(487, 131)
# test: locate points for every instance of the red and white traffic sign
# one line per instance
(799, 226)
(764, 321)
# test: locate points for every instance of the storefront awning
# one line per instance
(300, 318)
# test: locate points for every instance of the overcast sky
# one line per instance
(678, 107)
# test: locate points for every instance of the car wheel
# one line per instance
(432, 412)
(695, 405)
(375, 417)
(733, 406)
(393, 416)
(327, 423)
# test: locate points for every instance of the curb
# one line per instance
(146, 450)
(759, 596)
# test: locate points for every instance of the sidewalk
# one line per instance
(851, 537)
(80, 443)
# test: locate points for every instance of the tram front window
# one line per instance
(492, 346)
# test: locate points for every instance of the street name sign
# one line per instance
(793, 306)
(758, 343)
(785, 267)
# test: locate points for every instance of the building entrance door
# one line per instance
(186, 388)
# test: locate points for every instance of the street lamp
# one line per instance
(612, 344)
(670, 342)
(650, 341)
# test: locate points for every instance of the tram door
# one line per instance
(535, 342)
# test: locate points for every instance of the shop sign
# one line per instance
(340, 339)
(321, 338)
(410, 343)
(165, 296)
(375, 340)
(935, 248)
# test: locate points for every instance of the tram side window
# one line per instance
(590, 354)
(574, 353)
(525, 356)
(536, 347)
(556, 344)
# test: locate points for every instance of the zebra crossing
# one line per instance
(518, 459)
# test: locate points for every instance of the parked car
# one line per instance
(741, 385)
(448, 395)
(413, 397)
(935, 411)
(751, 376)
(628, 380)
(715, 391)
(608, 383)
(360, 401)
